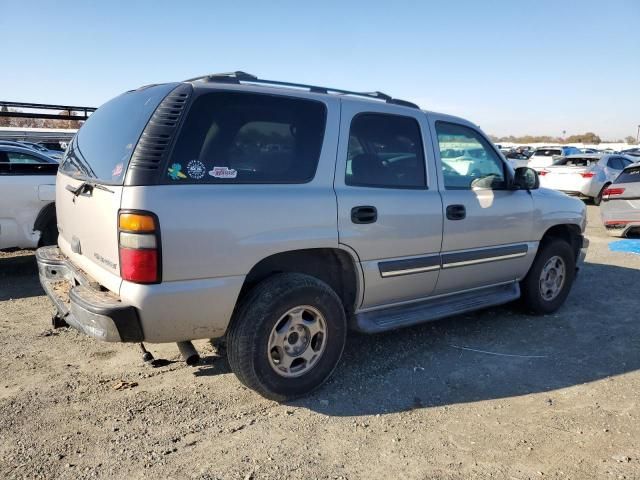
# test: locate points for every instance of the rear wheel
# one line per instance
(547, 285)
(597, 200)
(49, 234)
(287, 336)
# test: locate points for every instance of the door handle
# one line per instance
(364, 214)
(456, 212)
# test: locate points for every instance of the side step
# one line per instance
(433, 309)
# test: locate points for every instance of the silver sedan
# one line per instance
(620, 209)
(584, 175)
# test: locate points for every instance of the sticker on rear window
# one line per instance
(175, 172)
(117, 171)
(223, 172)
(196, 169)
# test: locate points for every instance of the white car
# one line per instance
(584, 175)
(27, 190)
(545, 156)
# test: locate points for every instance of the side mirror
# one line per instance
(526, 179)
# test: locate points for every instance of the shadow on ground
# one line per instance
(492, 354)
(19, 277)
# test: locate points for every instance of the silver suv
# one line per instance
(277, 216)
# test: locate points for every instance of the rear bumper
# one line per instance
(99, 314)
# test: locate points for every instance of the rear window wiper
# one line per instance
(86, 187)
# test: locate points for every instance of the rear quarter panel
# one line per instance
(212, 231)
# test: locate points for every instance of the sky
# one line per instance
(512, 67)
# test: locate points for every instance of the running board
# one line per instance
(434, 309)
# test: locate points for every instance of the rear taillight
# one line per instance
(611, 192)
(139, 246)
(542, 173)
(588, 175)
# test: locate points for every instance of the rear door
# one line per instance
(389, 207)
(90, 182)
(487, 227)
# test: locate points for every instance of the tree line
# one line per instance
(37, 122)
(588, 138)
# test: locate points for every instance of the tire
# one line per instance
(597, 200)
(49, 234)
(268, 313)
(536, 297)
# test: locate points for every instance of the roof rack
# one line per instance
(239, 77)
(73, 113)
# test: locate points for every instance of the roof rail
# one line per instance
(73, 113)
(238, 77)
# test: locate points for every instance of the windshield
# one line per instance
(103, 146)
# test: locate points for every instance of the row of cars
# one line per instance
(50, 149)
(610, 179)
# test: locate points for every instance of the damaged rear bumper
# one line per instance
(80, 303)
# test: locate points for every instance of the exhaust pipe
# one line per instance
(188, 352)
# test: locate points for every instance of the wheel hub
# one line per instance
(297, 341)
(552, 278)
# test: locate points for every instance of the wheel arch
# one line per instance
(334, 266)
(569, 232)
(45, 216)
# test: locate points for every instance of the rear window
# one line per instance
(629, 175)
(547, 152)
(231, 137)
(577, 162)
(102, 148)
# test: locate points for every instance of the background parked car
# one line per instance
(27, 209)
(517, 157)
(33, 146)
(545, 156)
(55, 154)
(583, 175)
(632, 151)
(620, 209)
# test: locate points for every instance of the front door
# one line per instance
(487, 226)
(389, 208)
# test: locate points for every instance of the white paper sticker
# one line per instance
(223, 172)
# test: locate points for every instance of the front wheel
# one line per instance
(547, 285)
(287, 336)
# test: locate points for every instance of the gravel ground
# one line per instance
(495, 394)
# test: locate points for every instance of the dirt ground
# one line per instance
(496, 394)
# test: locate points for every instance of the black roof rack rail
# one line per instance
(238, 77)
(73, 113)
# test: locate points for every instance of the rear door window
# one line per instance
(385, 151)
(102, 148)
(23, 158)
(231, 137)
(615, 163)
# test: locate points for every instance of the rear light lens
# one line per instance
(139, 245)
(608, 192)
(136, 222)
(588, 175)
(542, 173)
(139, 266)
